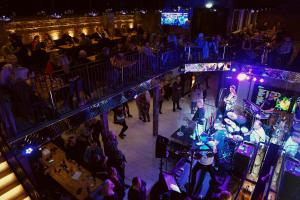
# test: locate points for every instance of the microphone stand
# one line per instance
(190, 188)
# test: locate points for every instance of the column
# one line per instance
(155, 109)
(104, 125)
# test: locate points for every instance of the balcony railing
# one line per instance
(48, 97)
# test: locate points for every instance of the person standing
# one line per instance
(145, 106)
(120, 119)
(231, 99)
(197, 95)
(199, 118)
(176, 93)
(161, 96)
(137, 190)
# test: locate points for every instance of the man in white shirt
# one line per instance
(292, 144)
(258, 133)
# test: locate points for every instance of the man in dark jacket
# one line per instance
(138, 189)
(176, 93)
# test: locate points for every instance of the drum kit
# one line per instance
(234, 132)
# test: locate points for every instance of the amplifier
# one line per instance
(242, 158)
(289, 188)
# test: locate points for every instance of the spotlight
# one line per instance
(248, 78)
(28, 150)
(254, 79)
(242, 76)
(261, 80)
(233, 69)
(209, 5)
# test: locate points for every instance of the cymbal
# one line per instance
(232, 115)
(244, 130)
(228, 121)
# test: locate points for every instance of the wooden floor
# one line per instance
(139, 145)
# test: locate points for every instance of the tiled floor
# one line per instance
(139, 145)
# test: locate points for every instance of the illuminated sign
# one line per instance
(207, 67)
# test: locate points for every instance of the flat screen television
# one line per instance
(174, 18)
(284, 101)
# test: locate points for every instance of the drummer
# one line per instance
(292, 145)
(257, 133)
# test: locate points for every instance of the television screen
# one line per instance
(283, 102)
(174, 19)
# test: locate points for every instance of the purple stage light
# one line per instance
(254, 79)
(233, 69)
(242, 76)
(248, 78)
(261, 80)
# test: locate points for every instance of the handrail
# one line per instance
(18, 169)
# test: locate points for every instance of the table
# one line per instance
(92, 58)
(56, 170)
(68, 46)
(115, 38)
(51, 50)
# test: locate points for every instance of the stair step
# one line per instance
(13, 193)
(22, 196)
(6, 181)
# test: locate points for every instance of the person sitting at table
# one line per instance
(114, 176)
(67, 39)
(95, 159)
(48, 42)
(97, 35)
(36, 44)
(138, 190)
(75, 150)
(84, 40)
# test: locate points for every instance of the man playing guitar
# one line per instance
(205, 162)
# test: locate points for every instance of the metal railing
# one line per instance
(65, 90)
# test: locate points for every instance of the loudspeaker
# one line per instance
(161, 150)
(290, 182)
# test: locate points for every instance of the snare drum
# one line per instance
(238, 138)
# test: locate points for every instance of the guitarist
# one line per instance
(205, 164)
(199, 118)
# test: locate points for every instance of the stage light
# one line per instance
(261, 80)
(209, 5)
(248, 78)
(28, 150)
(254, 79)
(242, 76)
(233, 69)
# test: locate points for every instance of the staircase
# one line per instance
(10, 187)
